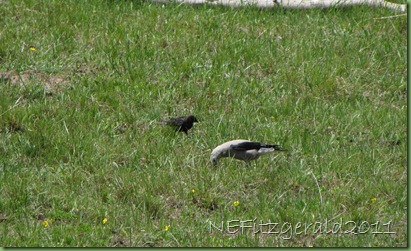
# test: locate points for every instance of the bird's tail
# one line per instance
(267, 149)
(276, 147)
(163, 123)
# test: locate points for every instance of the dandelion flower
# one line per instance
(373, 200)
(236, 203)
(193, 191)
(32, 48)
(45, 223)
(105, 220)
(167, 227)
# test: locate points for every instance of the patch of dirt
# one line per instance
(3, 217)
(12, 127)
(119, 241)
(52, 82)
(208, 206)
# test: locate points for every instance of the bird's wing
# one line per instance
(176, 121)
(245, 146)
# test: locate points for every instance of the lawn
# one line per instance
(84, 161)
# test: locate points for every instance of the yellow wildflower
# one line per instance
(167, 227)
(45, 223)
(105, 220)
(236, 203)
(32, 48)
(373, 200)
(193, 191)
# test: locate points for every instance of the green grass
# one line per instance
(79, 139)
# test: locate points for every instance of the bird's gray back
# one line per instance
(225, 150)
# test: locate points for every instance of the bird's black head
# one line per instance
(192, 119)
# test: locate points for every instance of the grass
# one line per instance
(87, 82)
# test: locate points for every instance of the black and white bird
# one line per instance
(181, 124)
(242, 150)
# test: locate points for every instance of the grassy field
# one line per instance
(84, 162)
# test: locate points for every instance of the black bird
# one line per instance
(181, 124)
